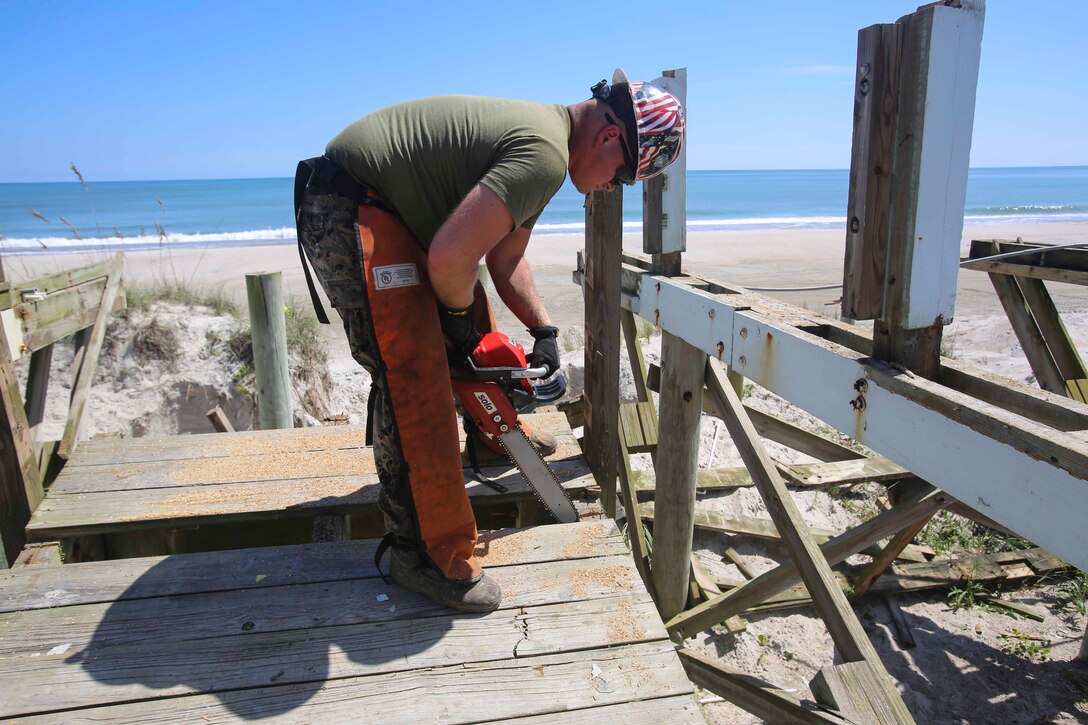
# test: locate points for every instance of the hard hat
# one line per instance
(653, 117)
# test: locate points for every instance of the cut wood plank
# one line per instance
(636, 532)
(45, 554)
(220, 421)
(760, 698)
(854, 690)
(1013, 269)
(187, 574)
(1028, 333)
(557, 683)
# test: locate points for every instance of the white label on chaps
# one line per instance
(395, 275)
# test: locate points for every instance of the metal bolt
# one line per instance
(742, 360)
(504, 427)
(744, 333)
(864, 70)
(687, 396)
(711, 313)
(497, 418)
(854, 224)
(864, 86)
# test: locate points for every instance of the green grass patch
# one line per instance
(141, 296)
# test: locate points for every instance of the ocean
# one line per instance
(66, 216)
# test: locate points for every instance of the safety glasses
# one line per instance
(626, 174)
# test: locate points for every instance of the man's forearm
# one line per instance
(517, 289)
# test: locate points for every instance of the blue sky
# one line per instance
(156, 90)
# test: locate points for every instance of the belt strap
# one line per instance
(303, 173)
(341, 183)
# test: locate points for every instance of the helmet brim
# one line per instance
(619, 76)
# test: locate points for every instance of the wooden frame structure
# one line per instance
(1001, 452)
(1019, 275)
(35, 314)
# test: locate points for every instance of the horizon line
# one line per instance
(267, 178)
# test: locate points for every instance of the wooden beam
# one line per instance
(1036, 255)
(219, 420)
(883, 560)
(604, 241)
(876, 99)
(855, 690)
(264, 292)
(939, 58)
(850, 638)
(1070, 365)
(37, 386)
(677, 462)
(750, 693)
(88, 361)
(1011, 268)
(1028, 333)
(20, 478)
(786, 575)
(636, 533)
(671, 219)
(902, 416)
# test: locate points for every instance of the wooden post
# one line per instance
(37, 385)
(938, 73)
(88, 359)
(20, 478)
(269, 326)
(677, 464)
(876, 97)
(604, 249)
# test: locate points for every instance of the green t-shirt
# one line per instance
(423, 157)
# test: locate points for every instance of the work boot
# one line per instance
(408, 571)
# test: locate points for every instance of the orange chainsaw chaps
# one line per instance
(409, 336)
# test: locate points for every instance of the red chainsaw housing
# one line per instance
(484, 401)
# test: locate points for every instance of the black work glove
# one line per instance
(459, 329)
(546, 350)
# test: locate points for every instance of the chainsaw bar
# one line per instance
(540, 477)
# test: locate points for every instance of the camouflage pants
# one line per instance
(327, 231)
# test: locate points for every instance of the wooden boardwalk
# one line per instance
(117, 486)
(311, 634)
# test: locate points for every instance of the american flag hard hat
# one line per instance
(659, 121)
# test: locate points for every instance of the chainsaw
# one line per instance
(493, 385)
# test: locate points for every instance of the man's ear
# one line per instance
(609, 133)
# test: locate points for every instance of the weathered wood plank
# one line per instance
(868, 213)
(631, 428)
(268, 610)
(101, 512)
(116, 451)
(636, 532)
(677, 463)
(650, 712)
(558, 683)
(841, 473)
(786, 575)
(107, 581)
(45, 554)
(854, 689)
(1046, 316)
(765, 529)
(604, 243)
(81, 386)
(1014, 269)
(1028, 333)
(20, 478)
(760, 698)
(1037, 255)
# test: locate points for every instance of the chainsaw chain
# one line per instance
(536, 494)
